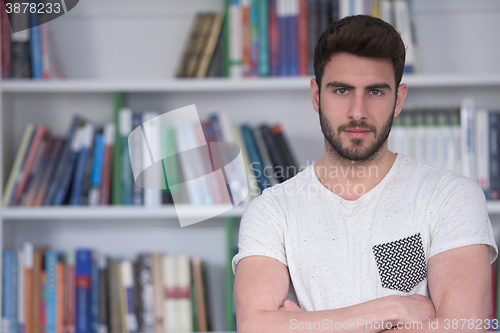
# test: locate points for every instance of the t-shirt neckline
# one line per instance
(365, 196)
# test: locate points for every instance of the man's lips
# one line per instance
(357, 132)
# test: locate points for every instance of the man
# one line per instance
(365, 238)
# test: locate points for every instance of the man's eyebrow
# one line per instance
(339, 84)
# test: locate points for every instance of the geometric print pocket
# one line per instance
(401, 264)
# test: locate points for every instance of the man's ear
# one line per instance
(400, 98)
(315, 94)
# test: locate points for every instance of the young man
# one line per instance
(366, 239)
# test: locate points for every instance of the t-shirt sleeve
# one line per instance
(459, 217)
(261, 231)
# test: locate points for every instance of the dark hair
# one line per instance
(363, 36)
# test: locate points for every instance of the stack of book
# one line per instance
(86, 292)
(93, 165)
(28, 53)
(463, 139)
(277, 37)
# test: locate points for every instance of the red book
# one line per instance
(69, 292)
(40, 133)
(303, 34)
(51, 165)
(273, 39)
(109, 137)
(5, 43)
(60, 295)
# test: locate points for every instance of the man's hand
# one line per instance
(415, 308)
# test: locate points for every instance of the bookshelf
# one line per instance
(117, 45)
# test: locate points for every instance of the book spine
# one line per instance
(60, 295)
(293, 17)
(246, 37)
(255, 161)
(37, 289)
(282, 36)
(159, 292)
(468, 145)
(94, 293)
(263, 37)
(151, 127)
(494, 155)
(254, 37)
(128, 285)
(170, 304)
(127, 177)
(273, 39)
(114, 297)
(5, 41)
(116, 152)
(109, 137)
(86, 136)
(38, 174)
(83, 290)
(48, 173)
(51, 289)
(146, 293)
(403, 26)
(28, 286)
(235, 42)
(36, 47)
(97, 165)
(21, 298)
(302, 36)
(7, 291)
(136, 145)
(274, 154)
(266, 160)
(183, 294)
(103, 296)
(482, 150)
(45, 52)
(313, 31)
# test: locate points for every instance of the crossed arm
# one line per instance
(458, 281)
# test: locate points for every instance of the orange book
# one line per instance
(28, 287)
(60, 295)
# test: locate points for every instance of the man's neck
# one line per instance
(350, 179)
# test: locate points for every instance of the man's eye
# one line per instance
(341, 91)
(376, 92)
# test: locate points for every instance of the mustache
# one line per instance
(356, 124)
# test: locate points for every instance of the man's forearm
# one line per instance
(372, 316)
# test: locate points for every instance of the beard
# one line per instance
(355, 150)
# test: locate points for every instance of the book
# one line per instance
(234, 39)
(482, 150)
(126, 169)
(263, 62)
(128, 285)
(83, 267)
(5, 41)
(70, 300)
(276, 157)
(494, 155)
(302, 37)
(20, 57)
(199, 290)
(253, 187)
(37, 172)
(285, 149)
(61, 294)
(116, 175)
(94, 292)
(51, 258)
(135, 150)
(151, 129)
(103, 326)
(109, 146)
(146, 293)
(266, 160)
(49, 172)
(256, 164)
(115, 321)
(21, 297)
(8, 294)
(97, 167)
(159, 291)
(188, 58)
(63, 161)
(35, 46)
(184, 298)
(171, 308)
(402, 23)
(211, 43)
(467, 134)
(86, 137)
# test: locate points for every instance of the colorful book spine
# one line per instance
(51, 289)
(103, 296)
(273, 39)
(97, 165)
(263, 63)
(86, 136)
(256, 164)
(60, 295)
(109, 141)
(116, 175)
(302, 36)
(94, 293)
(245, 37)
(293, 46)
(128, 285)
(183, 294)
(254, 37)
(83, 290)
(36, 47)
(468, 145)
(28, 286)
(126, 169)
(71, 296)
(21, 298)
(146, 293)
(136, 145)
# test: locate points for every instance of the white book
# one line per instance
(235, 40)
(185, 306)
(150, 152)
(468, 144)
(482, 149)
(170, 302)
(402, 23)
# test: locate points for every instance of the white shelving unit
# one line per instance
(134, 48)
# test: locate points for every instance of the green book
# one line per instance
(116, 188)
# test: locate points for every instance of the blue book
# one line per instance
(96, 176)
(7, 291)
(62, 190)
(83, 291)
(14, 274)
(36, 47)
(256, 164)
(282, 36)
(94, 294)
(62, 163)
(81, 164)
(51, 290)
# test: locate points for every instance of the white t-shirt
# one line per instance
(340, 252)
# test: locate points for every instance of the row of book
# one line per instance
(84, 291)
(463, 139)
(277, 37)
(28, 53)
(77, 170)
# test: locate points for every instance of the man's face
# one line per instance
(357, 105)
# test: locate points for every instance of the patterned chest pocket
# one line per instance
(401, 263)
